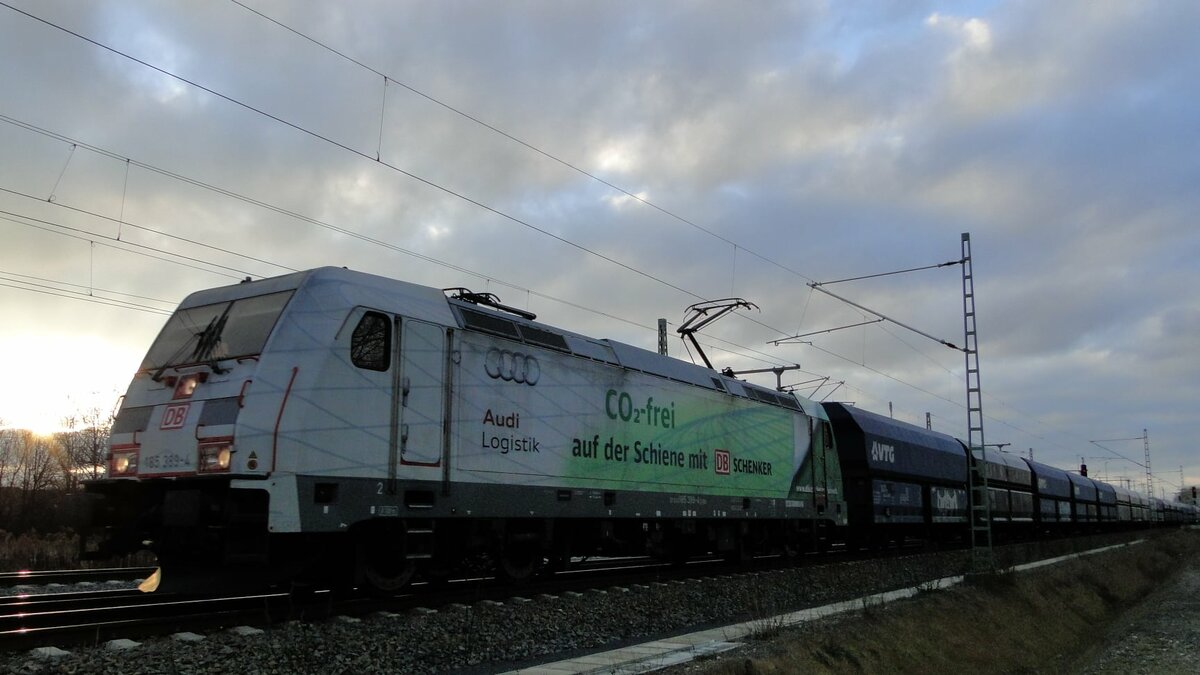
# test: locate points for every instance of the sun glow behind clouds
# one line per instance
(975, 33)
(55, 376)
(618, 157)
(623, 200)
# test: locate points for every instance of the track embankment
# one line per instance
(1160, 635)
(1131, 610)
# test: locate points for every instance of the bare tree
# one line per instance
(8, 454)
(38, 465)
(84, 445)
(38, 473)
(33, 480)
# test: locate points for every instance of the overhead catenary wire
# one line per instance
(47, 225)
(821, 332)
(124, 193)
(755, 354)
(55, 228)
(361, 154)
(1001, 402)
(171, 303)
(888, 274)
(151, 230)
(931, 394)
(63, 172)
(326, 139)
(1118, 455)
(951, 345)
(239, 272)
(72, 295)
(243, 198)
(284, 212)
(15, 217)
(393, 167)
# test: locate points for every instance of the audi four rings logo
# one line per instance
(512, 366)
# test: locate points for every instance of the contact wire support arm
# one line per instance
(701, 314)
(817, 287)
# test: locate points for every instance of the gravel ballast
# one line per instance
(490, 637)
(1161, 636)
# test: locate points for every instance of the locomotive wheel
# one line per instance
(520, 558)
(675, 549)
(739, 555)
(437, 575)
(382, 559)
(792, 550)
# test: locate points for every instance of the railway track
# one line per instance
(94, 616)
(99, 615)
(13, 604)
(70, 621)
(45, 577)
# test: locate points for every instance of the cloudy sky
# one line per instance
(605, 164)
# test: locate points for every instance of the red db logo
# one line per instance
(174, 416)
(721, 461)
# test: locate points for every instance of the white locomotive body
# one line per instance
(335, 420)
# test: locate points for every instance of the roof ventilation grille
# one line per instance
(489, 323)
(543, 338)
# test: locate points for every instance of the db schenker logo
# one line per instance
(721, 462)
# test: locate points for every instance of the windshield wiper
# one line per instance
(157, 376)
(206, 341)
(209, 338)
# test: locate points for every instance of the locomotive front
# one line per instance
(191, 445)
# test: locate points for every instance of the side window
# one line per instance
(371, 342)
(827, 432)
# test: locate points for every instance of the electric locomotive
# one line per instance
(332, 422)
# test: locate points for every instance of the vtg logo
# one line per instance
(882, 452)
(502, 364)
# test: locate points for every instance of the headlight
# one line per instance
(123, 463)
(215, 457)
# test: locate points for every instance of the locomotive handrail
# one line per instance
(241, 399)
(279, 418)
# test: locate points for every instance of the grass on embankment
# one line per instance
(1041, 620)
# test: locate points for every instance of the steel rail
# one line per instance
(43, 577)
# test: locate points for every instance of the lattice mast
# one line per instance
(981, 516)
(1149, 477)
(980, 508)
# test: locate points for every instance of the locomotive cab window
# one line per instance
(223, 330)
(371, 342)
